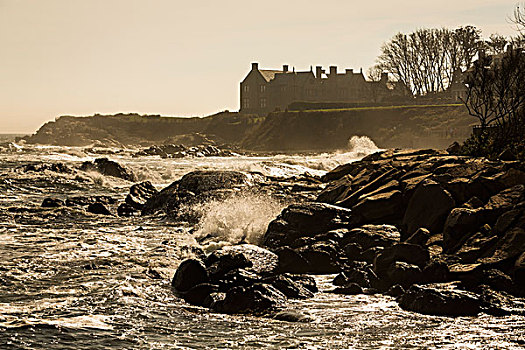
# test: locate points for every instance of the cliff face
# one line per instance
(388, 127)
(133, 129)
(412, 126)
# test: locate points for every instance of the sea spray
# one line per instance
(239, 218)
(361, 146)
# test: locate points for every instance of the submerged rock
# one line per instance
(98, 208)
(109, 168)
(433, 300)
(52, 203)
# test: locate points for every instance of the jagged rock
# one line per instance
(254, 258)
(190, 273)
(139, 194)
(368, 236)
(336, 190)
(199, 295)
(402, 273)
(290, 288)
(433, 300)
(124, 209)
(52, 203)
(454, 148)
(383, 208)
(218, 266)
(254, 299)
(321, 258)
(160, 200)
(519, 271)
(436, 271)
(291, 261)
(98, 208)
(395, 291)
(349, 289)
(353, 251)
(428, 207)
(508, 248)
(304, 220)
(82, 201)
(202, 181)
(460, 223)
(109, 168)
(403, 252)
(507, 155)
(502, 202)
(420, 237)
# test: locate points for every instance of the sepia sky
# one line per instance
(186, 58)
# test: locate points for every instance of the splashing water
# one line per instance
(240, 218)
(361, 145)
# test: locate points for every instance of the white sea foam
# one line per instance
(361, 146)
(240, 218)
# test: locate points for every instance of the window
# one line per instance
(246, 88)
(263, 88)
(246, 103)
(262, 103)
(283, 88)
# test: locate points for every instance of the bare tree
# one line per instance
(496, 44)
(426, 59)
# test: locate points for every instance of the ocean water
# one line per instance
(71, 280)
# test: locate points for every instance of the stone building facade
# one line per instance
(264, 91)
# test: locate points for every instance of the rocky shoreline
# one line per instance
(444, 234)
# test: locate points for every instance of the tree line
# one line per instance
(427, 61)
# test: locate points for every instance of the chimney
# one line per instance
(349, 71)
(255, 66)
(384, 77)
(318, 72)
(333, 70)
(285, 68)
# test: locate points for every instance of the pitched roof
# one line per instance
(269, 74)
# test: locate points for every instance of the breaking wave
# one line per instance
(240, 218)
(361, 146)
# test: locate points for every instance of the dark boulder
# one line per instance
(124, 209)
(454, 148)
(139, 194)
(428, 207)
(190, 273)
(402, 273)
(404, 252)
(336, 191)
(384, 208)
(289, 287)
(218, 266)
(368, 236)
(109, 168)
(202, 181)
(52, 203)
(253, 258)
(440, 301)
(98, 208)
(304, 220)
(291, 261)
(349, 289)
(199, 294)
(395, 291)
(460, 223)
(353, 251)
(420, 237)
(258, 298)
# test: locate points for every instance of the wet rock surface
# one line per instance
(398, 221)
(239, 279)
